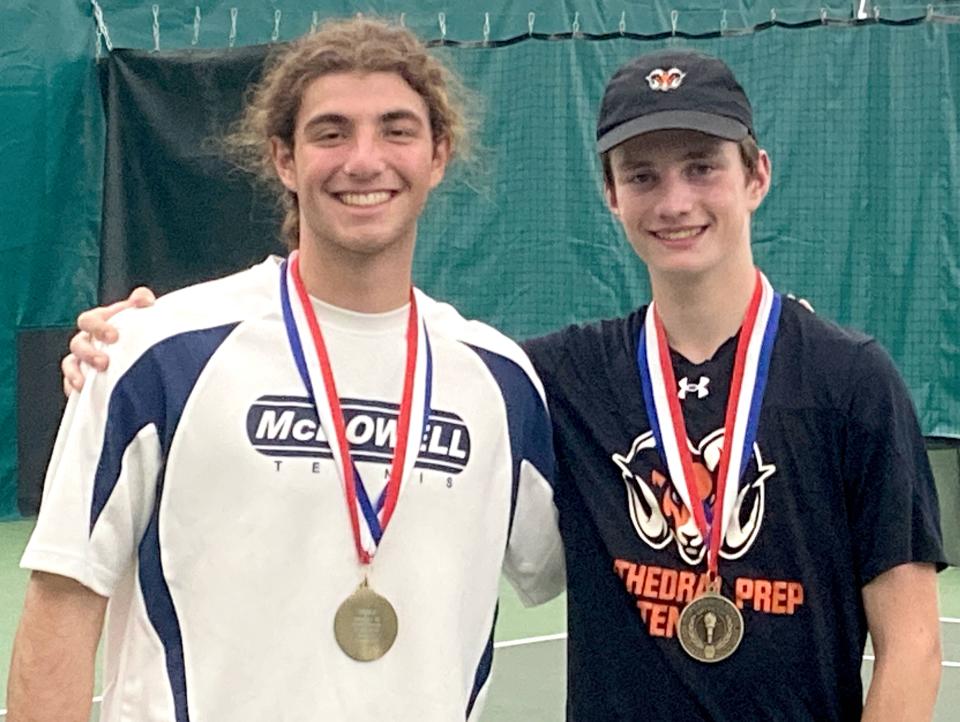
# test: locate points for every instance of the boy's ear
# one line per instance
(610, 194)
(283, 162)
(758, 185)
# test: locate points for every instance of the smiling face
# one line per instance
(685, 200)
(362, 164)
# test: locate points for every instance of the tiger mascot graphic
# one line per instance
(659, 513)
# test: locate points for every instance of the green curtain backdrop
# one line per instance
(52, 150)
(862, 123)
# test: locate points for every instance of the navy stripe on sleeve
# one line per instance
(155, 390)
(531, 436)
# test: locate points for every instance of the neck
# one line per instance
(366, 283)
(699, 314)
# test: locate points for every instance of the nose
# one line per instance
(365, 156)
(675, 199)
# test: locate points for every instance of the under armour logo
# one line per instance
(688, 388)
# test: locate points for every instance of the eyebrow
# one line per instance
(704, 153)
(326, 119)
(395, 115)
(711, 151)
(336, 119)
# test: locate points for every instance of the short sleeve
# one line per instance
(534, 561)
(534, 556)
(100, 482)
(892, 500)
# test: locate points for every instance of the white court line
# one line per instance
(529, 640)
(3, 712)
(563, 635)
(944, 663)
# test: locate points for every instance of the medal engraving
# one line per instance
(365, 625)
(710, 628)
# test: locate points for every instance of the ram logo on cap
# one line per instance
(665, 80)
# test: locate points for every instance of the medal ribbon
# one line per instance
(317, 374)
(751, 365)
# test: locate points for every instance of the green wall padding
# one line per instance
(862, 123)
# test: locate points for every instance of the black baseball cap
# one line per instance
(673, 89)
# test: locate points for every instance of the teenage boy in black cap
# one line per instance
(743, 488)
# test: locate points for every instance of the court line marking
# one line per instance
(530, 640)
(563, 635)
(3, 712)
(944, 663)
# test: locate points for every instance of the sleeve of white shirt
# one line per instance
(534, 561)
(100, 484)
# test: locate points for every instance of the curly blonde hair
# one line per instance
(359, 44)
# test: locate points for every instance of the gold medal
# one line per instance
(710, 627)
(365, 625)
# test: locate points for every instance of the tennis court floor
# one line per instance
(528, 681)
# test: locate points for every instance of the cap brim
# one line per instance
(718, 125)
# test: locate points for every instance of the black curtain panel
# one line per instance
(40, 404)
(175, 210)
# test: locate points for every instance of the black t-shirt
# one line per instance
(838, 490)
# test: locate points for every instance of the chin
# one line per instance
(369, 245)
(679, 268)
(364, 248)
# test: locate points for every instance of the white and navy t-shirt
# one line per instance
(192, 485)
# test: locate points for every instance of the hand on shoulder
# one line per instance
(94, 325)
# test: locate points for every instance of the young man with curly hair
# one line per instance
(294, 490)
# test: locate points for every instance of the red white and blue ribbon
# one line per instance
(750, 368)
(368, 521)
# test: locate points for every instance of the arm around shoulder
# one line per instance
(54, 653)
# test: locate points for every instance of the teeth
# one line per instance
(365, 199)
(678, 235)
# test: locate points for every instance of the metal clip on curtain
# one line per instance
(277, 14)
(102, 32)
(232, 40)
(196, 26)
